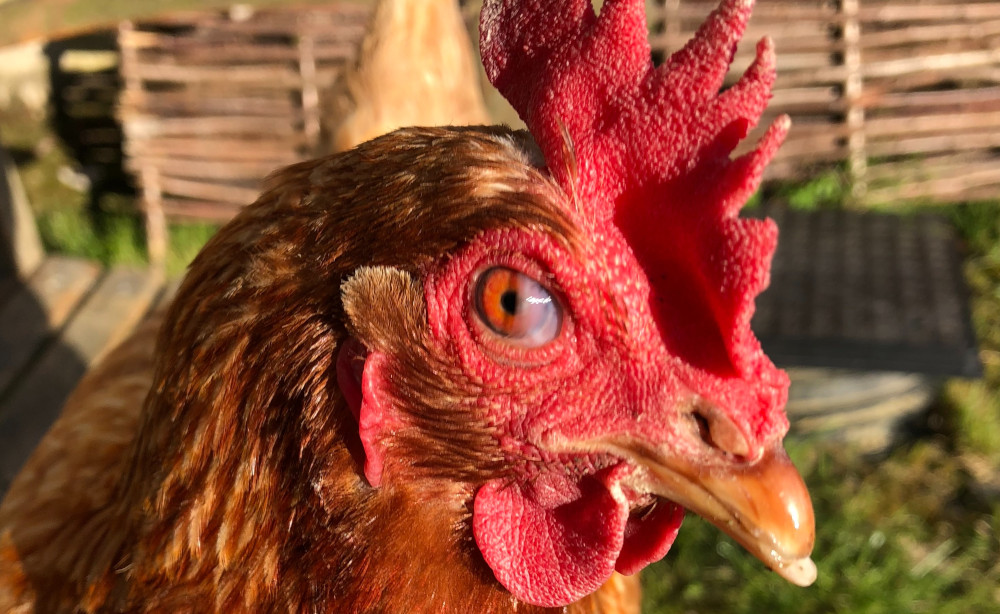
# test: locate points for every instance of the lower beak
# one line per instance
(763, 505)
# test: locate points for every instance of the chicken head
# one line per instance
(606, 369)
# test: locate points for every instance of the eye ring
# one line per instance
(517, 308)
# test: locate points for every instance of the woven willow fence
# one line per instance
(904, 97)
(214, 102)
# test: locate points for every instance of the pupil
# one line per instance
(508, 301)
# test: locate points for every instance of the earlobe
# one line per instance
(385, 313)
(376, 419)
(350, 367)
(360, 377)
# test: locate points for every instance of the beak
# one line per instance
(762, 504)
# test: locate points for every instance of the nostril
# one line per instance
(718, 431)
(704, 431)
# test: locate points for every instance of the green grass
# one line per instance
(828, 189)
(109, 231)
(911, 532)
(118, 238)
(975, 405)
(186, 240)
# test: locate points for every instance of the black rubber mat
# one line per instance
(867, 291)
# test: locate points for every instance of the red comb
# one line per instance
(647, 149)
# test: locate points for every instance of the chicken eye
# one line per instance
(517, 308)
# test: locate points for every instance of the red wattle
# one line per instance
(550, 555)
(647, 539)
(555, 542)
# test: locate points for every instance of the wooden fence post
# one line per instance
(156, 221)
(18, 233)
(310, 87)
(149, 176)
(857, 155)
(672, 23)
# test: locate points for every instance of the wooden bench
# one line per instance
(58, 316)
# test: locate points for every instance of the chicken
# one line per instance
(452, 369)
(415, 67)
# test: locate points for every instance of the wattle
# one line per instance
(555, 544)
(649, 536)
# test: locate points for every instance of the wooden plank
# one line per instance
(921, 63)
(951, 142)
(790, 168)
(215, 169)
(947, 51)
(209, 190)
(111, 313)
(787, 61)
(854, 117)
(179, 103)
(788, 35)
(971, 194)
(196, 51)
(286, 22)
(930, 33)
(929, 167)
(166, 295)
(211, 127)
(220, 148)
(224, 77)
(122, 297)
(875, 88)
(191, 209)
(950, 101)
(43, 305)
(806, 142)
(822, 97)
(907, 12)
(765, 11)
(894, 127)
(950, 186)
(812, 78)
(808, 148)
(18, 234)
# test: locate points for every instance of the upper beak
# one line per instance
(762, 504)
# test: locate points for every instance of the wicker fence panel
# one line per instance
(811, 72)
(931, 100)
(904, 95)
(213, 102)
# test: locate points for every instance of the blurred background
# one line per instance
(129, 131)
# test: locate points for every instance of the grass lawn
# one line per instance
(914, 531)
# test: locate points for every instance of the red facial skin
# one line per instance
(655, 350)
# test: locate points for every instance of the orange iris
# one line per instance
(517, 307)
